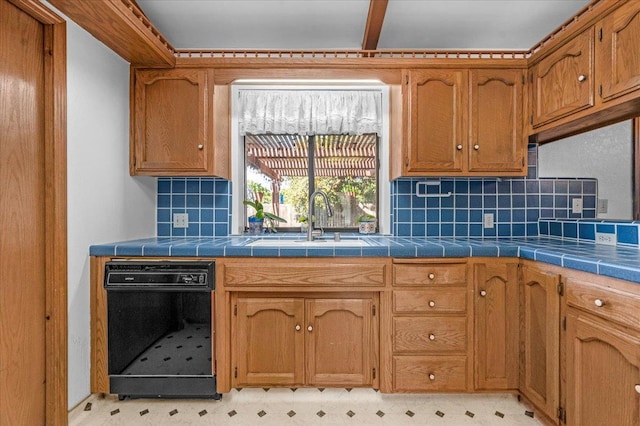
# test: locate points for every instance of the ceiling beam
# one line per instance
(377, 10)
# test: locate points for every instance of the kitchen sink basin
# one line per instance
(306, 244)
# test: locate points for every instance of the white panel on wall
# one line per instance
(104, 202)
(605, 154)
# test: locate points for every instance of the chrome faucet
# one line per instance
(312, 204)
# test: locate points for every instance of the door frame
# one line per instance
(55, 140)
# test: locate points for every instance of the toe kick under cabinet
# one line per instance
(432, 333)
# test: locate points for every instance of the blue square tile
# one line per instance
(193, 215)
(546, 186)
(164, 186)
(517, 186)
(193, 186)
(475, 201)
(221, 201)
(206, 229)
(462, 215)
(193, 201)
(546, 201)
(504, 230)
(587, 231)
(504, 187)
(489, 232)
(462, 186)
(178, 232)
(560, 213)
(533, 187)
(518, 201)
(532, 172)
(570, 230)
(221, 230)
(532, 229)
(490, 201)
(178, 186)
(543, 227)
(418, 215)
(431, 202)
(446, 215)
(220, 215)
(221, 186)
(163, 215)
(518, 215)
(178, 201)
(628, 234)
(589, 202)
(404, 186)
(590, 187)
(164, 201)
(575, 187)
(533, 215)
(206, 201)
(433, 215)
(580, 264)
(606, 228)
(475, 216)
(193, 230)
(475, 186)
(504, 215)
(206, 215)
(561, 187)
(461, 230)
(446, 185)
(462, 201)
(164, 229)
(403, 230)
(490, 187)
(546, 213)
(475, 230)
(504, 201)
(589, 213)
(418, 229)
(404, 215)
(446, 230)
(555, 228)
(206, 186)
(446, 202)
(433, 230)
(561, 201)
(518, 230)
(404, 202)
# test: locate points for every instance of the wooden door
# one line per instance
(172, 122)
(496, 324)
(269, 342)
(540, 361)
(435, 124)
(496, 139)
(618, 57)
(339, 342)
(603, 373)
(563, 81)
(22, 218)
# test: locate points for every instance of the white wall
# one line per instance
(104, 202)
(605, 154)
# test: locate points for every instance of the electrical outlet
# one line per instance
(180, 220)
(488, 220)
(603, 205)
(605, 238)
(576, 205)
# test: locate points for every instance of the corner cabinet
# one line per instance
(172, 124)
(304, 341)
(496, 324)
(462, 122)
(540, 339)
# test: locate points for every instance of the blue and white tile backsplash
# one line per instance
(517, 204)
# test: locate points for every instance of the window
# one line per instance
(277, 165)
(282, 170)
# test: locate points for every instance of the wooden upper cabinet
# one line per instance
(435, 124)
(496, 140)
(618, 55)
(172, 124)
(563, 82)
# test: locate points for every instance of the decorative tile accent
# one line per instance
(87, 407)
(410, 413)
(499, 414)
(143, 412)
(291, 413)
(202, 413)
(321, 413)
(380, 413)
(173, 412)
(232, 413)
(350, 413)
(114, 412)
(528, 413)
(469, 414)
(262, 413)
(439, 413)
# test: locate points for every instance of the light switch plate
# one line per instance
(488, 220)
(180, 220)
(576, 205)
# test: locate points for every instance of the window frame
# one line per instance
(237, 147)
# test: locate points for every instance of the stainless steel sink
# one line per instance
(268, 242)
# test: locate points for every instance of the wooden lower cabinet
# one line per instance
(301, 341)
(496, 306)
(540, 339)
(603, 372)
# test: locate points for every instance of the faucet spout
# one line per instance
(311, 211)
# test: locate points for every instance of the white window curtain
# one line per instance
(310, 112)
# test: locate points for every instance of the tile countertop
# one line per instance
(612, 261)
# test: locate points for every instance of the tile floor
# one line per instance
(308, 407)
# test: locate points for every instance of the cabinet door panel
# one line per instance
(270, 341)
(618, 54)
(496, 141)
(603, 370)
(563, 81)
(171, 122)
(540, 304)
(435, 123)
(496, 316)
(339, 342)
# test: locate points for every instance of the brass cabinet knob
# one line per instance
(599, 303)
(483, 293)
(638, 388)
(200, 147)
(432, 377)
(476, 147)
(310, 328)
(432, 304)
(582, 78)
(432, 276)
(459, 147)
(432, 337)
(298, 327)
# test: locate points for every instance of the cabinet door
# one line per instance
(339, 342)
(540, 374)
(171, 122)
(603, 372)
(496, 141)
(563, 81)
(269, 341)
(618, 55)
(435, 121)
(496, 325)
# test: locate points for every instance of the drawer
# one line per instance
(429, 274)
(429, 373)
(431, 300)
(430, 334)
(608, 303)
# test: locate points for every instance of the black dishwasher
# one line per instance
(159, 327)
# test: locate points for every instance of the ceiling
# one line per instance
(342, 24)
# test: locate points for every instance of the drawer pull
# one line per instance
(476, 147)
(432, 276)
(459, 147)
(432, 304)
(582, 78)
(298, 327)
(432, 336)
(599, 303)
(310, 328)
(483, 293)
(432, 377)
(200, 147)
(638, 388)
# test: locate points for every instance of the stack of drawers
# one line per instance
(430, 326)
